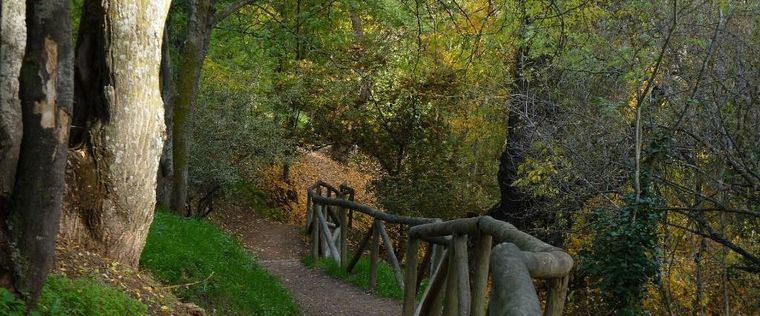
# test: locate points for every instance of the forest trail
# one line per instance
(279, 248)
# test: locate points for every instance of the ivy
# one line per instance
(623, 256)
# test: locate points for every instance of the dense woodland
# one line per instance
(627, 132)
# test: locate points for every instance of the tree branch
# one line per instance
(230, 9)
(714, 236)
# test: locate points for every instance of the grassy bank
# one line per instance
(211, 269)
(76, 297)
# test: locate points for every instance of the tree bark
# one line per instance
(200, 22)
(46, 88)
(199, 25)
(112, 181)
(12, 45)
(514, 203)
(517, 206)
(11, 53)
(164, 178)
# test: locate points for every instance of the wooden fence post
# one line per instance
(410, 293)
(480, 278)
(463, 274)
(424, 265)
(329, 245)
(391, 255)
(451, 301)
(309, 213)
(433, 296)
(555, 301)
(315, 234)
(343, 234)
(360, 249)
(374, 254)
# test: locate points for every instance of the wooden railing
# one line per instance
(455, 287)
(330, 214)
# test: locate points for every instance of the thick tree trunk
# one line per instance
(517, 206)
(514, 204)
(200, 22)
(12, 45)
(112, 180)
(46, 88)
(164, 179)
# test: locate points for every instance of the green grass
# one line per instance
(386, 281)
(225, 279)
(76, 297)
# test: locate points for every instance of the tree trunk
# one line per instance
(112, 181)
(514, 203)
(516, 206)
(164, 178)
(46, 88)
(11, 53)
(200, 19)
(12, 45)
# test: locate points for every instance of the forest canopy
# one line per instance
(626, 132)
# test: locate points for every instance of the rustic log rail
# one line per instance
(511, 257)
(330, 213)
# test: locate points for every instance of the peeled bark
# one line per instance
(112, 181)
(46, 88)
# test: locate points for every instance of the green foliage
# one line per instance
(624, 255)
(232, 140)
(63, 296)
(224, 277)
(76, 297)
(258, 200)
(10, 305)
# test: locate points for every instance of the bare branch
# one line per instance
(230, 9)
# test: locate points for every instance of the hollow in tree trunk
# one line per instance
(112, 180)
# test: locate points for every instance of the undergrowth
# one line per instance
(76, 297)
(211, 269)
(257, 199)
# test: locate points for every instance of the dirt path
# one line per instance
(279, 248)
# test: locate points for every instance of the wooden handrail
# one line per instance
(390, 218)
(513, 257)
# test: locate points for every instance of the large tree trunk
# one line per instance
(514, 204)
(200, 22)
(46, 89)
(12, 47)
(517, 206)
(112, 181)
